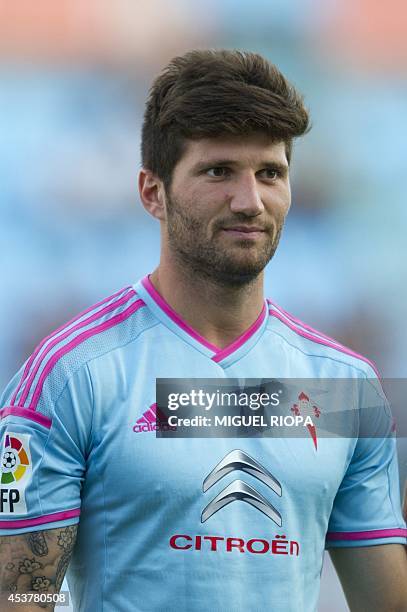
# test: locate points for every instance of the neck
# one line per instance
(218, 313)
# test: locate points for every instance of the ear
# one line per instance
(152, 194)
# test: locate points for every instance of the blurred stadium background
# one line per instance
(73, 79)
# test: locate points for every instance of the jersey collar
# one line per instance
(167, 315)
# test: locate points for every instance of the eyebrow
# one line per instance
(214, 163)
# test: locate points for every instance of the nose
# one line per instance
(246, 196)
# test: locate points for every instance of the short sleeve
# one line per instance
(43, 456)
(367, 508)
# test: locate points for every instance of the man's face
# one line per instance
(226, 206)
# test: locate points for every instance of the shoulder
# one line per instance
(105, 326)
(305, 338)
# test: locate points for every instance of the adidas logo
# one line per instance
(152, 420)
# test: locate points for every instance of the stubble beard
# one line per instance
(211, 260)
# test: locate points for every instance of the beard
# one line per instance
(212, 258)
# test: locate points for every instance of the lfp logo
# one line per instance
(14, 461)
(15, 473)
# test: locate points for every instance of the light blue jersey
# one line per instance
(79, 446)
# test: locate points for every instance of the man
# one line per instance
(79, 417)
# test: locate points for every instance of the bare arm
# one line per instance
(34, 562)
(373, 577)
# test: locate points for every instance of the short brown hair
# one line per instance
(213, 93)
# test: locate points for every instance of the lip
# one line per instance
(246, 233)
(244, 228)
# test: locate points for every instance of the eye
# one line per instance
(217, 172)
(271, 173)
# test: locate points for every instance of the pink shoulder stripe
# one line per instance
(366, 535)
(301, 323)
(97, 315)
(115, 320)
(26, 413)
(40, 520)
(319, 340)
(56, 331)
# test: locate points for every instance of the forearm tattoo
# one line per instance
(36, 561)
(38, 543)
